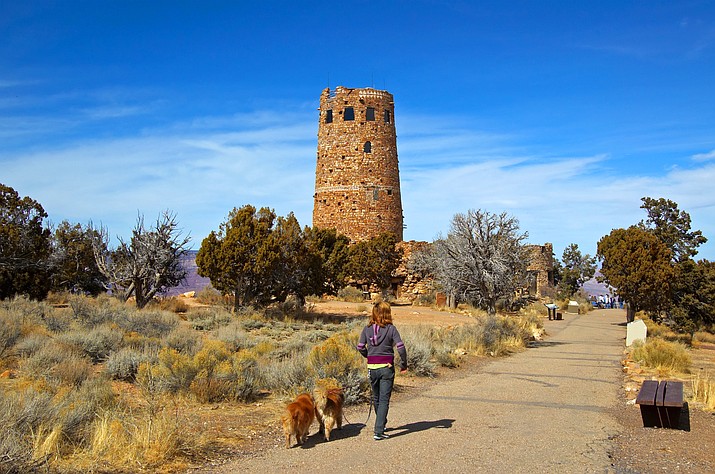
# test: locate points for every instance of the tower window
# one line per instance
(389, 192)
(367, 148)
(388, 116)
(375, 194)
(370, 114)
(349, 114)
(329, 116)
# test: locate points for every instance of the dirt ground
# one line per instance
(401, 314)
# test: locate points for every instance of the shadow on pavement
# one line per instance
(419, 426)
(347, 431)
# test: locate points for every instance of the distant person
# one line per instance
(376, 343)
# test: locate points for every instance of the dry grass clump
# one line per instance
(173, 304)
(704, 389)
(664, 356)
(706, 337)
(208, 295)
(658, 330)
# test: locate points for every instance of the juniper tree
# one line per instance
(24, 246)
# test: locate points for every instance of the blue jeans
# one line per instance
(381, 381)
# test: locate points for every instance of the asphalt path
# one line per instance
(542, 410)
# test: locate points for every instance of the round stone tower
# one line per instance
(357, 180)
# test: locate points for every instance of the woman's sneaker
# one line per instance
(378, 437)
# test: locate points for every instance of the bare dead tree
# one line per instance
(483, 259)
(147, 264)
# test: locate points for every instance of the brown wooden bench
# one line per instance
(660, 403)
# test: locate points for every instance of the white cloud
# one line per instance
(704, 156)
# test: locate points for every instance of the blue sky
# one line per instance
(563, 114)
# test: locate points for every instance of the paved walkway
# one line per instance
(543, 410)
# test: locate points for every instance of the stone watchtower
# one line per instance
(357, 180)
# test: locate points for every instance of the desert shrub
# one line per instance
(173, 304)
(490, 335)
(420, 352)
(223, 376)
(58, 321)
(97, 343)
(295, 347)
(183, 339)
(10, 331)
(704, 336)
(79, 408)
(21, 415)
(351, 294)
(148, 323)
(664, 356)
(337, 358)
(30, 344)
(57, 363)
(235, 378)
(173, 372)
(206, 319)
(254, 323)
(25, 309)
(704, 389)
(287, 376)
(447, 359)
(92, 312)
(658, 330)
(289, 308)
(536, 308)
(141, 343)
(211, 296)
(317, 335)
(426, 299)
(124, 364)
(234, 336)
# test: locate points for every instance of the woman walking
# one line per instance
(376, 343)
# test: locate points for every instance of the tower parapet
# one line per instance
(357, 181)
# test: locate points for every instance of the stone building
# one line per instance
(357, 180)
(541, 269)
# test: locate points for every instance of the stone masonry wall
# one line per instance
(542, 267)
(357, 182)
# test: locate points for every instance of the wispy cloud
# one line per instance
(704, 156)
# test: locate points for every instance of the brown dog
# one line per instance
(298, 417)
(329, 409)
